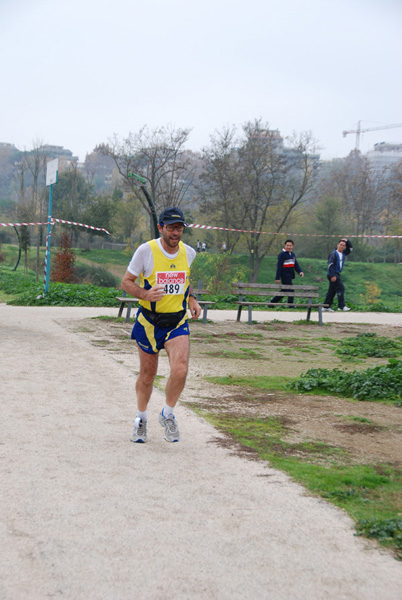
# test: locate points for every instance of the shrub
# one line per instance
(63, 262)
(380, 383)
(369, 344)
(216, 272)
(383, 530)
(95, 275)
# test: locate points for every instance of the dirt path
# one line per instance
(88, 515)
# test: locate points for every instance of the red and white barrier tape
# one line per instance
(53, 221)
(22, 224)
(81, 225)
(196, 226)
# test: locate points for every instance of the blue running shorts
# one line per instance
(151, 338)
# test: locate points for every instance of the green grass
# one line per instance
(261, 382)
(328, 340)
(105, 257)
(357, 419)
(370, 494)
(22, 290)
(236, 354)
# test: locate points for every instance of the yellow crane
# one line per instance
(359, 130)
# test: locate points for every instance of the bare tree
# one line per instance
(159, 156)
(35, 161)
(220, 189)
(360, 189)
(24, 212)
(254, 182)
(391, 215)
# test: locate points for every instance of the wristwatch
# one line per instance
(192, 296)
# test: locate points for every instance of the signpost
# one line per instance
(51, 178)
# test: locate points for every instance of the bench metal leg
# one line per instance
(121, 309)
(239, 313)
(320, 315)
(128, 312)
(250, 314)
(204, 314)
(308, 314)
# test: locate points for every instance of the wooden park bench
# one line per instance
(309, 293)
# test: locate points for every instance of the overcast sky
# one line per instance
(75, 73)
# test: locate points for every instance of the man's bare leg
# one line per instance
(178, 351)
(145, 379)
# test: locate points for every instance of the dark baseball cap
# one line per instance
(172, 215)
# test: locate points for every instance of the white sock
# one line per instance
(142, 415)
(167, 411)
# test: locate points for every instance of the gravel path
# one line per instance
(85, 514)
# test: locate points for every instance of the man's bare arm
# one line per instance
(130, 286)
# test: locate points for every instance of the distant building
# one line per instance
(384, 156)
(66, 158)
(7, 146)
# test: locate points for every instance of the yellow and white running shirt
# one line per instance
(154, 266)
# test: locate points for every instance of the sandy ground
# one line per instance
(85, 514)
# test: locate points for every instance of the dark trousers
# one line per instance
(286, 280)
(335, 287)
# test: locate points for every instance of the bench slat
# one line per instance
(126, 299)
(245, 303)
(268, 286)
(280, 293)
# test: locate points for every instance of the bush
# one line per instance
(369, 344)
(383, 530)
(95, 275)
(217, 272)
(380, 383)
(63, 262)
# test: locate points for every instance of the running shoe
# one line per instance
(328, 310)
(171, 429)
(345, 309)
(139, 434)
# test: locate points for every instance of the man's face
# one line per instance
(341, 246)
(171, 234)
(288, 246)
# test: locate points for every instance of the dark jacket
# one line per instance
(335, 264)
(287, 263)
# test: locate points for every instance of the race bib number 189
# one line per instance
(173, 281)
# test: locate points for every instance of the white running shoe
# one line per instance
(171, 429)
(139, 434)
(328, 310)
(345, 309)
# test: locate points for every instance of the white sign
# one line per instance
(51, 171)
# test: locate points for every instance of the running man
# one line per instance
(163, 266)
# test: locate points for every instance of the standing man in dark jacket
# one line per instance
(336, 260)
(285, 269)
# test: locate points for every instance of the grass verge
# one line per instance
(370, 493)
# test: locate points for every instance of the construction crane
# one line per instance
(359, 130)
